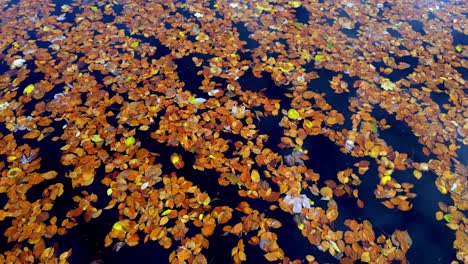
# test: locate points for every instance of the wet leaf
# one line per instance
(29, 89)
(447, 217)
(129, 141)
(293, 114)
(255, 176)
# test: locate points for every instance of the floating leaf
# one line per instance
(295, 4)
(286, 66)
(13, 173)
(130, 141)
(327, 193)
(177, 161)
(272, 256)
(29, 89)
(293, 114)
(417, 174)
(335, 246)
(49, 175)
(134, 44)
(32, 134)
(447, 217)
(166, 212)
(385, 179)
(198, 100)
(18, 63)
(118, 226)
(96, 138)
(388, 85)
(365, 257)
(255, 176)
(318, 57)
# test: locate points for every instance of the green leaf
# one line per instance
(166, 212)
(458, 48)
(387, 85)
(28, 89)
(96, 138)
(447, 217)
(329, 45)
(130, 141)
(94, 8)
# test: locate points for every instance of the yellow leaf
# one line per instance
(293, 114)
(417, 174)
(335, 246)
(164, 220)
(29, 89)
(242, 256)
(234, 251)
(374, 152)
(255, 176)
(166, 212)
(49, 175)
(207, 201)
(271, 256)
(175, 158)
(118, 226)
(385, 179)
(96, 138)
(130, 141)
(326, 192)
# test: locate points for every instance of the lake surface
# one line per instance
(233, 131)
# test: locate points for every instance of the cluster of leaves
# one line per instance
(106, 91)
